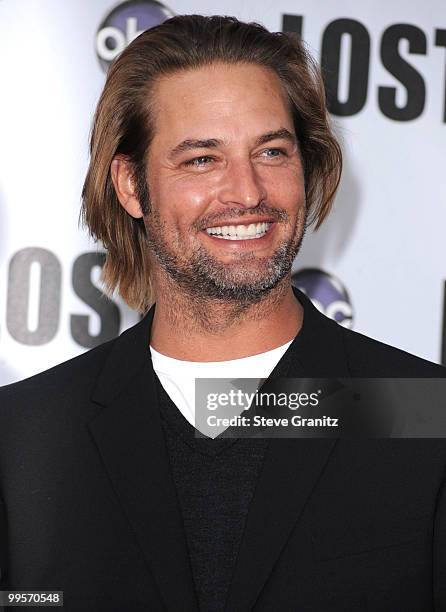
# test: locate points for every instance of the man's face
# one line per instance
(227, 198)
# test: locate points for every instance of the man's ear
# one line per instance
(124, 183)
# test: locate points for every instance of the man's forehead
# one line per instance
(212, 102)
(218, 83)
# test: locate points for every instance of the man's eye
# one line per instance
(273, 153)
(201, 161)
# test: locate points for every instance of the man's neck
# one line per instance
(197, 329)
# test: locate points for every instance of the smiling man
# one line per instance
(211, 152)
(226, 211)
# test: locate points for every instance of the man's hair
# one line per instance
(123, 124)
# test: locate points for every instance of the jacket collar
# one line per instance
(129, 437)
(318, 349)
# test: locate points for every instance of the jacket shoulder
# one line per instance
(369, 357)
(67, 378)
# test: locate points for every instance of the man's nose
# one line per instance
(242, 186)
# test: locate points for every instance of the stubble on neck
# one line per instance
(188, 313)
(200, 313)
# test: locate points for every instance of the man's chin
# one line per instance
(243, 287)
(246, 279)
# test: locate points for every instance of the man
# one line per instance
(211, 152)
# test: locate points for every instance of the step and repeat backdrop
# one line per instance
(377, 265)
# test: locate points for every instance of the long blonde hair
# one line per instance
(123, 125)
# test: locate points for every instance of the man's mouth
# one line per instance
(239, 232)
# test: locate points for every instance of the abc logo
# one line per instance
(124, 23)
(327, 293)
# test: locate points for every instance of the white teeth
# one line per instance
(239, 232)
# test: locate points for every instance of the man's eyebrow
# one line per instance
(212, 143)
(187, 145)
(283, 134)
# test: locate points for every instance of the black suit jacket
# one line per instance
(89, 506)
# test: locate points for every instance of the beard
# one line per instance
(245, 280)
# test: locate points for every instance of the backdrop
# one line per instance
(378, 263)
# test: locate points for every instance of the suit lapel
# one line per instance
(128, 434)
(292, 466)
(291, 470)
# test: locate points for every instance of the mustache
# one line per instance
(277, 214)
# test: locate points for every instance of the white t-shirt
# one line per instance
(178, 377)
